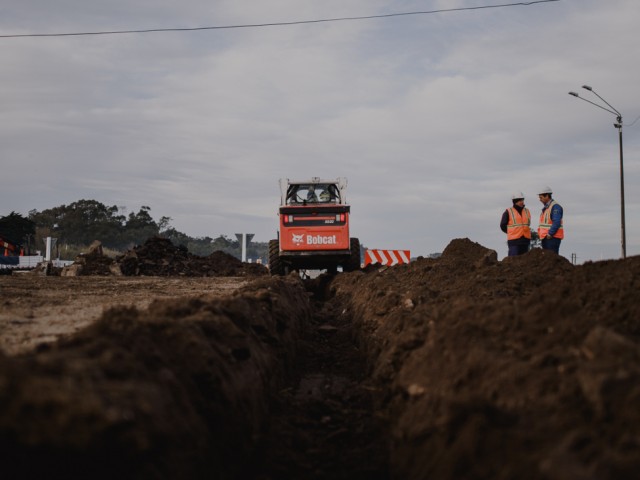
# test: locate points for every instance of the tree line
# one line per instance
(80, 223)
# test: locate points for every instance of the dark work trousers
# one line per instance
(552, 244)
(518, 249)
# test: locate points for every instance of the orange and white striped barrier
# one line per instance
(386, 257)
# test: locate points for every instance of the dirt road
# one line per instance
(38, 309)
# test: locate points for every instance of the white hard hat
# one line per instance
(517, 196)
(545, 189)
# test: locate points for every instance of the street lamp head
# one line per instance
(574, 94)
(587, 87)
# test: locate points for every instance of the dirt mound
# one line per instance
(160, 257)
(463, 249)
(526, 368)
(92, 263)
(172, 392)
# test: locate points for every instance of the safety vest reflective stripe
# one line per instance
(546, 223)
(519, 224)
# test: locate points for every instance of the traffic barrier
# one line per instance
(386, 257)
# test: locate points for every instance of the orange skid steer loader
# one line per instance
(314, 228)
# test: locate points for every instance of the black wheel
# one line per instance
(276, 267)
(353, 263)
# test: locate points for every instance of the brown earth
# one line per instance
(461, 367)
(161, 258)
(37, 309)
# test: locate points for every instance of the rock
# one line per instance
(73, 270)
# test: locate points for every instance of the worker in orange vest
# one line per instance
(516, 223)
(550, 229)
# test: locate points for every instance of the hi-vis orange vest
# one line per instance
(519, 224)
(545, 223)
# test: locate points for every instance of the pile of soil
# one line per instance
(160, 257)
(175, 391)
(92, 263)
(527, 368)
(461, 367)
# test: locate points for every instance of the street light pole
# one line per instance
(617, 125)
(622, 216)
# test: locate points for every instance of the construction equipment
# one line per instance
(7, 248)
(314, 228)
(9, 258)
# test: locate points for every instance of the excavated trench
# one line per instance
(325, 421)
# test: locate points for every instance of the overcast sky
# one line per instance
(435, 119)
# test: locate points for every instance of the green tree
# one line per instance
(163, 224)
(82, 222)
(140, 227)
(176, 237)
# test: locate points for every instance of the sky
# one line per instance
(436, 119)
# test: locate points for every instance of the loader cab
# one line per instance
(314, 191)
(321, 193)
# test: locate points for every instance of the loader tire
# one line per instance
(276, 267)
(353, 263)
